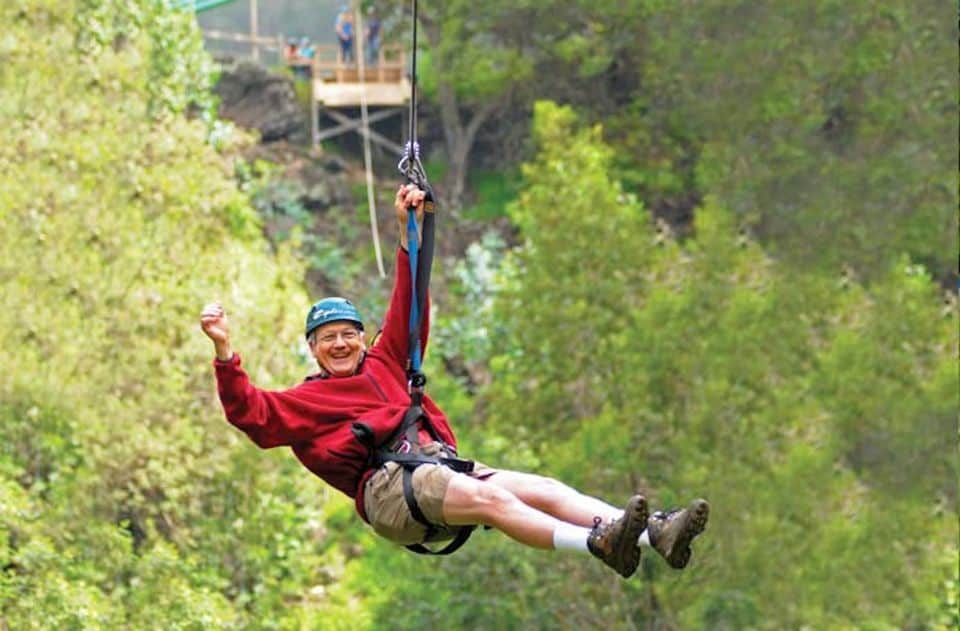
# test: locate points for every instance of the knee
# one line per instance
(548, 489)
(491, 501)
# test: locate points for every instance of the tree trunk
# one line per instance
(454, 183)
(458, 137)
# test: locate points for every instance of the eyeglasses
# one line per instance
(350, 335)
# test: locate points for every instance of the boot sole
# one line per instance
(636, 514)
(695, 523)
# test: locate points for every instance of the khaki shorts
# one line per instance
(387, 510)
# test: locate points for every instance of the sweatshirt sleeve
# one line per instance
(395, 336)
(270, 419)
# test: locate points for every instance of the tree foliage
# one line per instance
(817, 414)
(820, 122)
(828, 128)
(123, 494)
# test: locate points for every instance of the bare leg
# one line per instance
(555, 498)
(470, 501)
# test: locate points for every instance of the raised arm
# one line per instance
(396, 335)
(213, 321)
(270, 419)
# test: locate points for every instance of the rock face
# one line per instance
(324, 184)
(254, 98)
(305, 181)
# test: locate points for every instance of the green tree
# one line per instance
(828, 127)
(790, 400)
(125, 500)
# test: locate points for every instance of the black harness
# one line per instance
(403, 447)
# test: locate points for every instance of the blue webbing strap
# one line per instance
(412, 248)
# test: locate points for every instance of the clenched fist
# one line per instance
(213, 321)
(408, 196)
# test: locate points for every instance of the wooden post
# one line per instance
(314, 110)
(253, 30)
(360, 53)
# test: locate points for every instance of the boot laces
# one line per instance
(666, 515)
(599, 528)
(600, 532)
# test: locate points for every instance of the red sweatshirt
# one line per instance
(314, 418)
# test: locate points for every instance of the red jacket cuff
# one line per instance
(233, 361)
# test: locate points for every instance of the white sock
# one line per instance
(644, 539)
(570, 537)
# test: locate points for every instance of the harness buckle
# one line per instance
(416, 382)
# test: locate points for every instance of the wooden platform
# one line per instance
(337, 83)
(337, 94)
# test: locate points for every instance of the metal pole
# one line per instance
(360, 42)
(314, 112)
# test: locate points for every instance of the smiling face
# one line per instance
(338, 347)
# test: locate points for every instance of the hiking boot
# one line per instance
(615, 543)
(671, 532)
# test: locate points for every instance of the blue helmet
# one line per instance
(332, 310)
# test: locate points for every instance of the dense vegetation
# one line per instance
(813, 122)
(718, 351)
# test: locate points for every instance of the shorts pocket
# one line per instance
(387, 509)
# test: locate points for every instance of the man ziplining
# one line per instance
(362, 426)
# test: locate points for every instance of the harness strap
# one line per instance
(413, 363)
(412, 461)
(412, 502)
(425, 264)
(408, 427)
(463, 532)
(420, 254)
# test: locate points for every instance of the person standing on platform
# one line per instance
(344, 29)
(373, 37)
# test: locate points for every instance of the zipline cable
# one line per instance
(413, 79)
